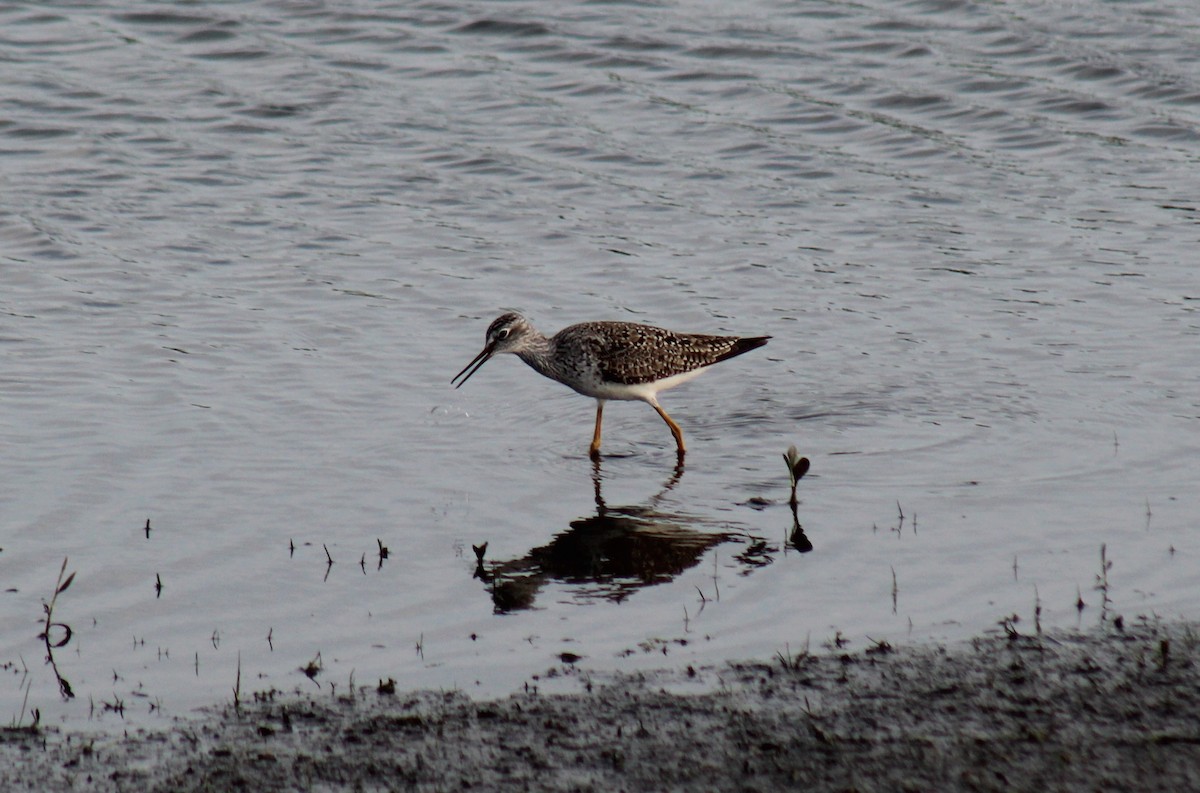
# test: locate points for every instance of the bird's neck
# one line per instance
(538, 353)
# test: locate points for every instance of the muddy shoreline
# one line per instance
(1106, 710)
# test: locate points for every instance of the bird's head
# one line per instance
(507, 333)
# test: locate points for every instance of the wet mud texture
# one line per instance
(1111, 710)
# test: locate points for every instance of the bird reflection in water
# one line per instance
(608, 555)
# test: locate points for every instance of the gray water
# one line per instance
(245, 246)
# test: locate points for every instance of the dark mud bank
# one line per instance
(1109, 710)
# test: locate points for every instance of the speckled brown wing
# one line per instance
(629, 353)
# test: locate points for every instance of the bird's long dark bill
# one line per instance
(474, 365)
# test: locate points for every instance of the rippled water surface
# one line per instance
(245, 246)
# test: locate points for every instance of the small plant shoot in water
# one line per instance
(57, 634)
(797, 468)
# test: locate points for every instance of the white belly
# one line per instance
(644, 392)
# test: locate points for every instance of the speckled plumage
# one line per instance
(629, 354)
(611, 360)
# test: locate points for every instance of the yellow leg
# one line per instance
(594, 452)
(678, 433)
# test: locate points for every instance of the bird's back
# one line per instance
(629, 353)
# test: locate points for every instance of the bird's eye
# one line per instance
(502, 334)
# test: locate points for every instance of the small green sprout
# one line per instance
(797, 468)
